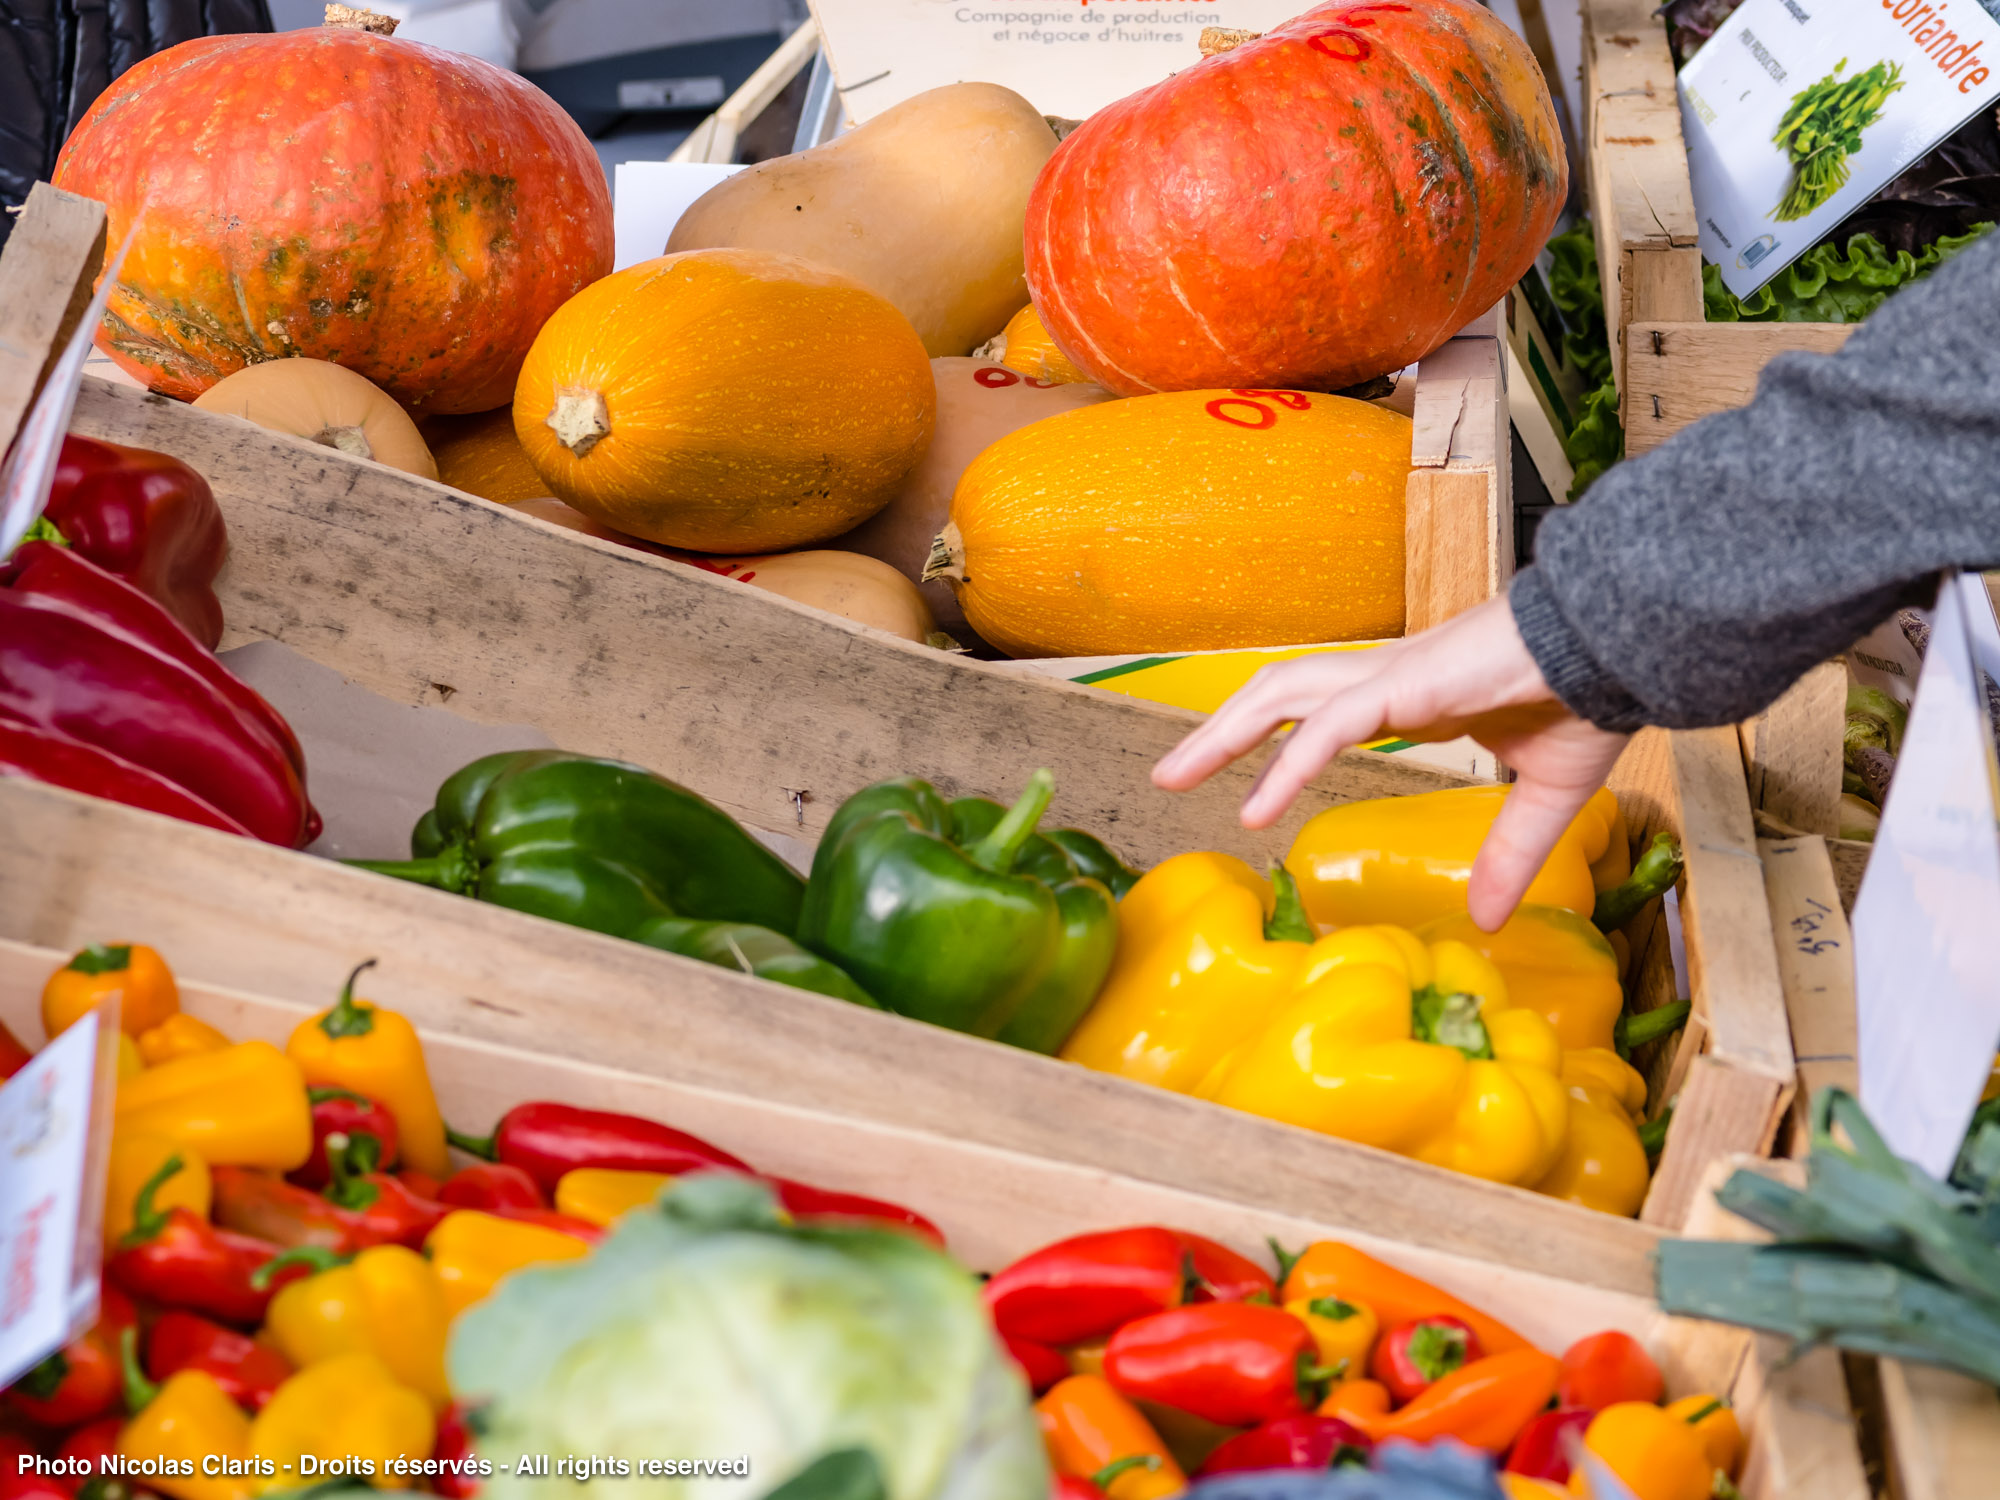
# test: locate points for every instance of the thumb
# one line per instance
(1531, 822)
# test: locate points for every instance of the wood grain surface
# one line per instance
(1678, 370)
(46, 278)
(1792, 752)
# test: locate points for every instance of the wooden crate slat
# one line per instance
(75, 871)
(1943, 1433)
(1678, 370)
(1792, 751)
(1816, 966)
(46, 279)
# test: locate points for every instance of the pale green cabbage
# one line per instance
(706, 1329)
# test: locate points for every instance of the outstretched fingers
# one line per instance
(1531, 822)
(1277, 695)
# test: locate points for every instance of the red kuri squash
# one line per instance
(410, 213)
(1306, 210)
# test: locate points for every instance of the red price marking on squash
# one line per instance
(1341, 41)
(1251, 412)
(994, 379)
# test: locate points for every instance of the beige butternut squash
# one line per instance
(326, 404)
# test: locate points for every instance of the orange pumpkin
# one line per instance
(410, 213)
(1308, 210)
(481, 456)
(689, 401)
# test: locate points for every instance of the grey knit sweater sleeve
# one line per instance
(1691, 586)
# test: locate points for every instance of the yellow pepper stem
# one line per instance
(1287, 922)
(1449, 1021)
(346, 1018)
(1658, 868)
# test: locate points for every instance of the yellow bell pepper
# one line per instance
(387, 1302)
(137, 975)
(1554, 962)
(188, 1420)
(598, 1195)
(131, 1061)
(472, 1251)
(244, 1106)
(355, 1044)
(1406, 860)
(135, 1160)
(1343, 1332)
(180, 1035)
(1204, 952)
(1603, 1163)
(345, 1408)
(1411, 1048)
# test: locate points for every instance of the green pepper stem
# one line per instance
(1286, 1259)
(44, 530)
(346, 1018)
(102, 958)
(347, 1160)
(1287, 922)
(451, 871)
(148, 1219)
(1653, 1133)
(1147, 1461)
(319, 1257)
(1002, 845)
(1701, 1414)
(139, 1391)
(1658, 868)
(1650, 1025)
(485, 1147)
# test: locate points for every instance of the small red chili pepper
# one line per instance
(247, 1371)
(547, 1140)
(454, 1447)
(178, 1259)
(1410, 1357)
(804, 1201)
(1540, 1452)
(344, 1112)
(1075, 1487)
(550, 1218)
(1236, 1363)
(82, 1379)
(1086, 1287)
(1305, 1441)
(147, 517)
(381, 1200)
(371, 1208)
(1069, 1487)
(1219, 1274)
(1043, 1364)
(90, 1445)
(421, 1183)
(17, 1485)
(1607, 1368)
(490, 1186)
(14, 1055)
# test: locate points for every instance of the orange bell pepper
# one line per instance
(1355, 1399)
(140, 978)
(180, 1035)
(1658, 1455)
(1088, 1427)
(1484, 1404)
(1331, 1269)
(1521, 1487)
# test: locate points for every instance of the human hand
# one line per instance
(1472, 675)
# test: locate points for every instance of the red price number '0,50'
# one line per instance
(994, 378)
(1241, 408)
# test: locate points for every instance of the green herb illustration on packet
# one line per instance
(1822, 128)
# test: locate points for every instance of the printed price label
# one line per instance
(1067, 57)
(54, 1133)
(1796, 111)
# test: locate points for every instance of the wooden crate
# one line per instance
(994, 1203)
(778, 712)
(1673, 367)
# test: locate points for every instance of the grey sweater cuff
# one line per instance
(1576, 677)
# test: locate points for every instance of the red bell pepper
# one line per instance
(1236, 1363)
(490, 1187)
(1410, 1357)
(377, 1210)
(14, 1055)
(1042, 1364)
(15, 1485)
(247, 1371)
(57, 760)
(83, 1379)
(86, 656)
(1542, 1450)
(344, 1112)
(1085, 1287)
(179, 1259)
(147, 517)
(804, 1201)
(88, 1447)
(1219, 1274)
(1305, 1441)
(546, 1140)
(454, 1446)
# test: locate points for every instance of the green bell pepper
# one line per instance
(594, 843)
(752, 950)
(1094, 858)
(958, 936)
(1044, 1020)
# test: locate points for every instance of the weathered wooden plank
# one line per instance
(1792, 752)
(1451, 550)
(46, 280)
(247, 916)
(1943, 1433)
(1816, 965)
(1679, 370)
(1722, 1110)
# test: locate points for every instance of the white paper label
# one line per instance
(48, 1242)
(1927, 973)
(1067, 57)
(648, 199)
(1940, 62)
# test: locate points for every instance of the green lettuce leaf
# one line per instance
(1830, 283)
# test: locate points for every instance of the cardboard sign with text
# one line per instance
(55, 1135)
(1066, 57)
(1927, 966)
